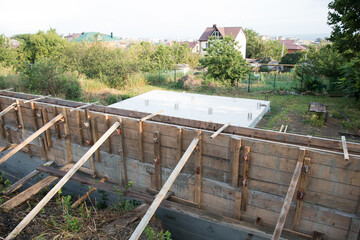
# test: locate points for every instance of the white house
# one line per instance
(215, 31)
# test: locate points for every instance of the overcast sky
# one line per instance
(184, 19)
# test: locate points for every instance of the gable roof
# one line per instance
(95, 36)
(190, 44)
(224, 31)
(291, 45)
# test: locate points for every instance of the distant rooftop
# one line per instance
(94, 37)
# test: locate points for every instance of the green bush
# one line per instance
(112, 98)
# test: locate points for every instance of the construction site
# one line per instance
(210, 176)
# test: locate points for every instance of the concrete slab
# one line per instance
(238, 111)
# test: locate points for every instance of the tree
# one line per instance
(344, 17)
(292, 58)
(8, 55)
(224, 61)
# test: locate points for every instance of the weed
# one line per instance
(152, 235)
(104, 198)
(124, 204)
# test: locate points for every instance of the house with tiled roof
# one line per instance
(215, 31)
(291, 46)
(95, 37)
(193, 45)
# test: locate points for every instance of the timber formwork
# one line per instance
(240, 174)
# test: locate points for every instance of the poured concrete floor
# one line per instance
(236, 111)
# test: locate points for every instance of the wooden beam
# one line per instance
(346, 153)
(2, 125)
(107, 123)
(61, 183)
(31, 138)
(219, 130)
(57, 128)
(69, 156)
(83, 106)
(45, 120)
(237, 205)
(235, 145)
(36, 99)
(150, 116)
(122, 161)
(179, 143)
(287, 202)
(286, 127)
(31, 191)
(140, 140)
(157, 160)
(79, 128)
(23, 180)
(159, 197)
(302, 190)
(96, 137)
(87, 194)
(245, 178)
(41, 143)
(8, 109)
(90, 142)
(22, 125)
(198, 171)
(282, 127)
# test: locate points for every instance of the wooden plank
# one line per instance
(159, 197)
(41, 143)
(23, 180)
(237, 205)
(2, 124)
(80, 130)
(45, 119)
(289, 196)
(219, 130)
(140, 140)
(150, 116)
(157, 160)
(245, 179)
(90, 140)
(107, 123)
(8, 109)
(31, 138)
(57, 128)
(31, 191)
(96, 137)
(22, 125)
(122, 160)
(198, 171)
(235, 146)
(302, 190)
(346, 153)
(354, 231)
(179, 143)
(69, 156)
(61, 183)
(86, 195)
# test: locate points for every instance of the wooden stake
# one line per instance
(79, 126)
(346, 153)
(140, 139)
(198, 171)
(47, 132)
(286, 206)
(122, 160)
(161, 195)
(157, 160)
(8, 109)
(282, 127)
(41, 142)
(31, 138)
(23, 180)
(150, 116)
(67, 137)
(237, 205)
(2, 125)
(179, 143)
(107, 121)
(86, 195)
(57, 128)
(220, 130)
(36, 99)
(96, 137)
(245, 178)
(235, 145)
(302, 190)
(90, 142)
(61, 183)
(22, 125)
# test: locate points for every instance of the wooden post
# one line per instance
(61, 183)
(2, 125)
(67, 137)
(198, 171)
(22, 125)
(302, 190)
(346, 153)
(245, 178)
(57, 128)
(162, 194)
(31, 138)
(237, 205)
(107, 121)
(8, 109)
(90, 142)
(122, 160)
(179, 143)
(47, 132)
(79, 126)
(41, 143)
(286, 206)
(235, 145)
(96, 137)
(219, 131)
(140, 140)
(157, 160)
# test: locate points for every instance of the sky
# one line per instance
(166, 19)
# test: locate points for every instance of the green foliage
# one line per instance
(104, 199)
(8, 55)
(152, 235)
(124, 204)
(350, 81)
(317, 120)
(344, 18)
(292, 58)
(112, 98)
(224, 61)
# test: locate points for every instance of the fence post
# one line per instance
(248, 84)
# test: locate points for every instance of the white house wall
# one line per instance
(241, 39)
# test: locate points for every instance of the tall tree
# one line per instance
(224, 61)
